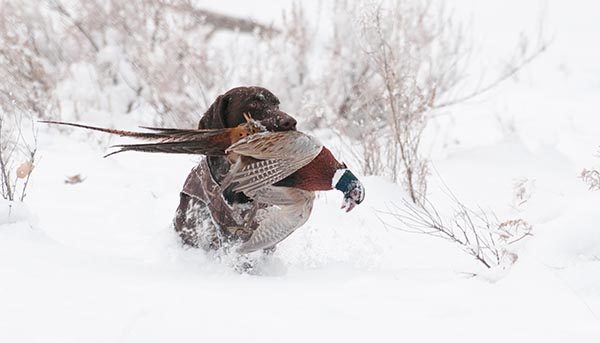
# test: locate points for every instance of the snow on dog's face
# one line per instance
(227, 111)
(262, 105)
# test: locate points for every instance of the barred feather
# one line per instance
(279, 155)
(203, 145)
(162, 133)
(173, 141)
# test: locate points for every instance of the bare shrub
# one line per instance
(398, 62)
(157, 57)
(392, 60)
(522, 191)
(592, 178)
(399, 44)
(29, 66)
(477, 232)
(28, 72)
(17, 156)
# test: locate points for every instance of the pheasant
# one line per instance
(283, 169)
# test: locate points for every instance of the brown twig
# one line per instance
(32, 150)
(7, 191)
(225, 22)
(475, 232)
(61, 10)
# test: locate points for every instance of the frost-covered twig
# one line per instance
(476, 232)
(15, 149)
(7, 190)
(412, 59)
(57, 5)
(591, 178)
(224, 22)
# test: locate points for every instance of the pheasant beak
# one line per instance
(348, 204)
(354, 196)
(252, 125)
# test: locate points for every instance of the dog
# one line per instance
(208, 216)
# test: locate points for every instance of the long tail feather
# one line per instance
(169, 140)
(122, 133)
(198, 146)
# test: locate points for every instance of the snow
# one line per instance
(98, 261)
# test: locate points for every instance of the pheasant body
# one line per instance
(315, 176)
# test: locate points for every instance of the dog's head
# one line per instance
(228, 110)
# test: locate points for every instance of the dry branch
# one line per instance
(63, 12)
(225, 22)
(476, 232)
(14, 148)
(591, 178)
(413, 60)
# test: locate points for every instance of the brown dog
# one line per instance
(208, 216)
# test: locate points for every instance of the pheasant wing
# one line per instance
(275, 156)
(276, 145)
(279, 196)
(278, 222)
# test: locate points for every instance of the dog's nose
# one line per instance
(287, 123)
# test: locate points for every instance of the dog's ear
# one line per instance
(214, 117)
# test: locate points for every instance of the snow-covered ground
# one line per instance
(98, 261)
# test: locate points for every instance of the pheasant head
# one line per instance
(345, 182)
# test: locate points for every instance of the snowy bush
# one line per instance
(413, 61)
(591, 177)
(17, 155)
(480, 234)
(30, 64)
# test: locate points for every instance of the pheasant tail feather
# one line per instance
(173, 141)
